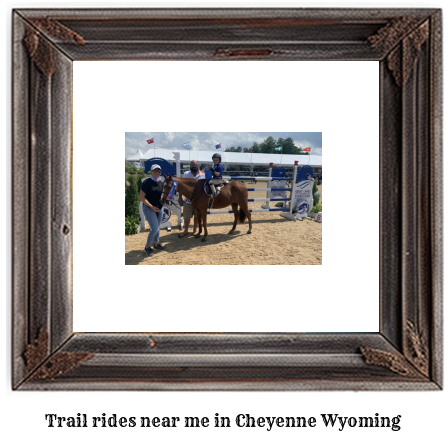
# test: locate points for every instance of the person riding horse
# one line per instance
(217, 175)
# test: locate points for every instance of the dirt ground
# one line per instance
(274, 241)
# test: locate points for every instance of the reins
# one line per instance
(194, 190)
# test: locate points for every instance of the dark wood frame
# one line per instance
(406, 354)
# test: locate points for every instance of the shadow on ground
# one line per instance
(174, 244)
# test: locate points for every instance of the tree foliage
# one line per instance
(289, 147)
(234, 149)
(130, 168)
(132, 200)
(131, 225)
(268, 146)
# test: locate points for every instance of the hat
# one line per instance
(155, 166)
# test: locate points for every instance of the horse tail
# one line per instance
(242, 216)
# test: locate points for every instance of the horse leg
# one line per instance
(235, 213)
(199, 223)
(204, 219)
(245, 207)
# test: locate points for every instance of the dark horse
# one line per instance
(233, 193)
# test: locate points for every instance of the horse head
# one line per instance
(166, 189)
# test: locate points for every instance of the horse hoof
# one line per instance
(249, 232)
(197, 235)
(231, 231)
(203, 239)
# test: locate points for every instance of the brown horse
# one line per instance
(233, 193)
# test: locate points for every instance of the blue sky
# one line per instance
(206, 141)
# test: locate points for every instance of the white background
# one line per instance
(423, 414)
(198, 96)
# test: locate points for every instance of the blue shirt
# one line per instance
(217, 168)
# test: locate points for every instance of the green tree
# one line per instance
(256, 149)
(131, 199)
(131, 225)
(130, 168)
(234, 149)
(268, 146)
(288, 146)
(316, 198)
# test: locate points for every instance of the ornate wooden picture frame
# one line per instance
(406, 353)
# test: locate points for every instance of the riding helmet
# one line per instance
(217, 156)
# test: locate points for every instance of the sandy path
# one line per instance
(274, 241)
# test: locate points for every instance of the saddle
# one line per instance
(207, 191)
(218, 188)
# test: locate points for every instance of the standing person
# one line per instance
(150, 194)
(189, 210)
(217, 174)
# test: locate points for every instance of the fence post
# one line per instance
(289, 215)
(268, 192)
(177, 211)
(293, 188)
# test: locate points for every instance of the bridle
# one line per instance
(165, 194)
(169, 201)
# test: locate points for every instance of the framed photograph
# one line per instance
(404, 354)
(257, 173)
